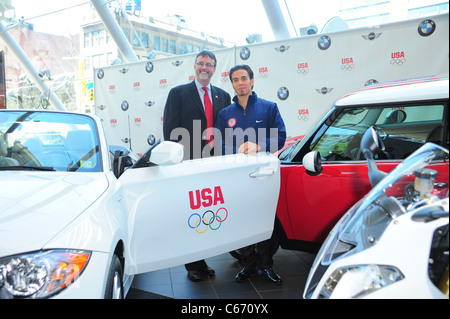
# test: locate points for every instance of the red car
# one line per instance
(407, 114)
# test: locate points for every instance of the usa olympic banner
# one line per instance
(304, 76)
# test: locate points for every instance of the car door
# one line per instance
(199, 208)
(311, 205)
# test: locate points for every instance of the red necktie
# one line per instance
(209, 117)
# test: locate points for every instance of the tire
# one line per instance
(114, 283)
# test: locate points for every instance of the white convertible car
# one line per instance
(78, 220)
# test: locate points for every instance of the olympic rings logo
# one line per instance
(302, 71)
(263, 76)
(398, 62)
(304, 117)
(207, 220)
(347, 67)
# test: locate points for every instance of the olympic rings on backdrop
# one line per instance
(208, 219)
(398, 62)
(347, 67)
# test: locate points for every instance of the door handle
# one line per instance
(264, 173)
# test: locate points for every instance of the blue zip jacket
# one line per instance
(260, 123)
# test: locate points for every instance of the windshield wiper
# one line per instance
(27, 168)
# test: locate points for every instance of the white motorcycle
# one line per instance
(393, 243)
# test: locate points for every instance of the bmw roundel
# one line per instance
(426, 28)
(151, 139)
(100, 74)
(245, 53)
(283, 93)
(149, 67)
(324, 42)
(370, 82)
(124, 106)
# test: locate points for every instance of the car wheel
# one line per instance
(114, 284)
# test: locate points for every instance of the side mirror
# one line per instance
(371, 143)
(312, 163)
(122, 159)
(167, 153)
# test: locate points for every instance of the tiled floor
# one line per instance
(292, 266)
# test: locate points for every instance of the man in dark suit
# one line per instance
(189, 116)
(185, 116)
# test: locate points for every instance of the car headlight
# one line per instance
(40, 274)
(358, 281)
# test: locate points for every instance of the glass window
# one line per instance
(157, 43)
(60, 141)
(173, 47)
(98, 38)
(136, 41)
(144, 39)
(87, 40)
(165, 45)
(127, 33)
(183, 49)
(403, 129)
(109, 58)
(98, 60)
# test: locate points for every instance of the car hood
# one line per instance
(35, 206)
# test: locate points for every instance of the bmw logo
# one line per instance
(283, 93)
(324, 42)
(100, 74)
(149, 67)
(370, 82)
(151, 139)
(426, 28)
(245, 53)
(124, 106)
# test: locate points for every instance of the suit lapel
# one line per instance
(215, 101)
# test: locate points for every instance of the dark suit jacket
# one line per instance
(184, 109)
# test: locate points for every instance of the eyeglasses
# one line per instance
(208, 65)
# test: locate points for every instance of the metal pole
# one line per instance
(28, 66)
(115, 30)
(276, 19)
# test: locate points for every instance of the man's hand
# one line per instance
(249, 148)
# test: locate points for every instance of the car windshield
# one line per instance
(36, 140)
(404, 129)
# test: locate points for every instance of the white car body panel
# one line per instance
(403, 252)
(160, 207)
(145, 211)
(429, 88)
(36, 204)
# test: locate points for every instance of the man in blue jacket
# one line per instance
(251, 125)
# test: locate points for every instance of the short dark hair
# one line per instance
(208, 54)
(241, 67)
